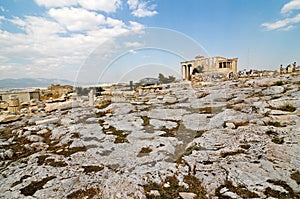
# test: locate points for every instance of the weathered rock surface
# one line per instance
(47, 121)
(61, 105)
(8, 118)
(186, 195)
(196, 121)
(237, 139)
(273, 90)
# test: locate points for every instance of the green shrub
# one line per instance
(191, 149)
(166, 80)
(278, 140)
(278, 83)
(276, 124)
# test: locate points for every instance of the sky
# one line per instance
(121, 40)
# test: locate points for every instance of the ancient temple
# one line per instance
(209, 65)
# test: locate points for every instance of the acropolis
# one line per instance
(210, 65)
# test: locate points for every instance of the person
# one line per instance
(294, 67)
(287, 68)
(230, 75)
(281, 69)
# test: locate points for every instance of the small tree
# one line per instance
(171, 78)
(82, 91)
(200, 69)
(78, 90)
(161, 78)
(99, 89)
(164, 80)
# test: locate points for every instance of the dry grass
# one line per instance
(281, 195)
(240, 190)
(92, 168)
(296, 176)
(231, 153)
(144, 151)
(80, 194)
(287, 107)
(34, 186)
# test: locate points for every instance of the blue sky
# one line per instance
(58, 39)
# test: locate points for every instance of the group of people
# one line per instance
(287, 68)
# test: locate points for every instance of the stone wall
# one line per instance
(23, 96)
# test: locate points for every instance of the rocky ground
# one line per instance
(233, 139)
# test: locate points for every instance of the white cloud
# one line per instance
(77, 19)
(101, 5)
(288, 28)
(58, 42)
(38, 25)
(5, 67)
(57, 3)
(290, 6)
(133, 44)
(132, 51)
(141, 8)
(2, 9)
(285, 24)
(17, 21)
(135, 26)
(41, 51)
(133, 4)
(276, 25)
(288, 23)
(114, 22)
(142, 12)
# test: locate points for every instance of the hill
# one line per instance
(30, 82)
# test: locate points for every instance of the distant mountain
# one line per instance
(30, 82)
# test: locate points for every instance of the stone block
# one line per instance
(13, 102)
(13, 109)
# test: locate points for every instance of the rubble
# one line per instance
(61, 105)
(221, 139)
(47, 121)
(186, 195)
(8, 118)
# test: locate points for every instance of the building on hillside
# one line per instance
(208, 65)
